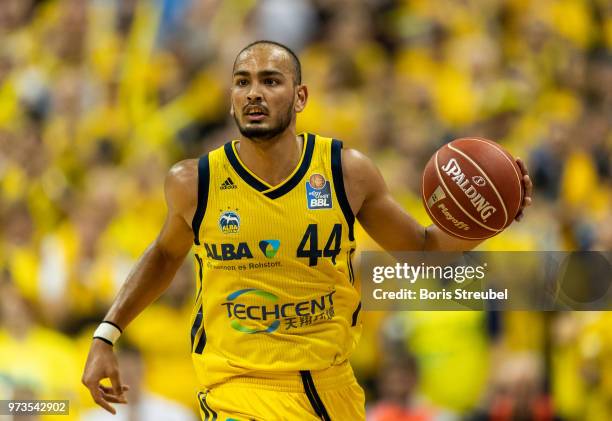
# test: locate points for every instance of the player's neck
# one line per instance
(272, 160)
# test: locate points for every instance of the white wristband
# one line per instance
(108, 332)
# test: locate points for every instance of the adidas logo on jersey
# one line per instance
(228, 184)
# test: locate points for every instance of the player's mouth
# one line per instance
(255, 113)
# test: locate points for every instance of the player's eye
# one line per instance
(242, 82)
(271, 82)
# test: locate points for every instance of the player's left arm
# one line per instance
(386, 221)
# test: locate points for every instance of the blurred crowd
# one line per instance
(98, 98)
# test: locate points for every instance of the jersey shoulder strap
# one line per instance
(338, 178)
(203, 182)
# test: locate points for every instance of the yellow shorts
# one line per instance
(331, 394)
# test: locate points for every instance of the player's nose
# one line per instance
(254, 93)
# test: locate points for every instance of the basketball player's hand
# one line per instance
(528, 189)
(102, 364)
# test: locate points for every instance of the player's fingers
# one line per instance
(522, 166)
(116, 383)
(526, 201)
(109, 394)
(527, 198)
(518, 216)
(112, 398)
(525, 173)
(528, 185)
(106, 389)
(96, 394)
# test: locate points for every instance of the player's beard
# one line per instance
(257, 133)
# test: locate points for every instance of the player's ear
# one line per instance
(301, 97)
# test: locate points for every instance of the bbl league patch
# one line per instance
(318, 192)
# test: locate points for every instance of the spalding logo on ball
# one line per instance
(472, 188)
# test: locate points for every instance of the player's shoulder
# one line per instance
(183, 174)
(357, 166)
(181, 184)
(361, 178)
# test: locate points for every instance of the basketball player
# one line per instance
(270, 217)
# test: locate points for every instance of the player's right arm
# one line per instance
(149, 278)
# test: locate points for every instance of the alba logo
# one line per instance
(269, 247)
(229, 222)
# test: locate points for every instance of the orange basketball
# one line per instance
(472, 188)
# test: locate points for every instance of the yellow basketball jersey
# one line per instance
(276, 287)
